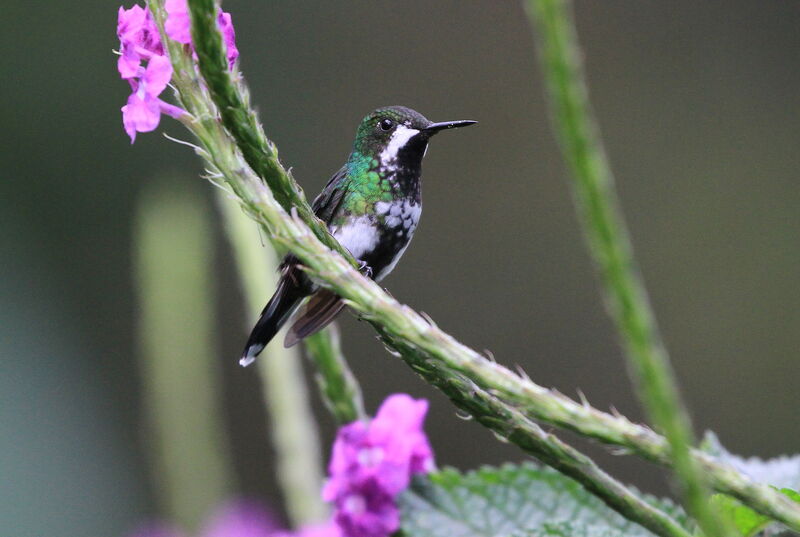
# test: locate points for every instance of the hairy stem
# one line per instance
(258, 151)
(610, 246)
(294, 431)
(510, 423)
(400, 324)
(337, 384)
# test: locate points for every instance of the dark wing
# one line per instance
(313, 316)
(329, 200)
(293, 287)
(325, 205)
(323, 306)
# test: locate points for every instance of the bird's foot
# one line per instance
(365, 269)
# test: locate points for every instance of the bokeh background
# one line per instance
(698, 104)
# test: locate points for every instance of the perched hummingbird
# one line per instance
(371, 206)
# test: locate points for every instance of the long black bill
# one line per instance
(436, 127)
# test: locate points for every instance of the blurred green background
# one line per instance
(698, 104)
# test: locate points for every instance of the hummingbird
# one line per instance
(371, 206)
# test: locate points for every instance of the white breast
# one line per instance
(359, 236)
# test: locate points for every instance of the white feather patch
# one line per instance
(395, 213)
(359, 236)
(400, 138)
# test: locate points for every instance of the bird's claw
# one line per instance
(365, 269)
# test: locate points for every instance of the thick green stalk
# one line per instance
(179, 370)
(400, 324)
(294, 431)
(242, 123)
(611, 248)
(337, 384)
(339, 387)
(403, 328)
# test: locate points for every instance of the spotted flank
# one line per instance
(400, 214)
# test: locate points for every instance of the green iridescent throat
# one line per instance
(366, 184)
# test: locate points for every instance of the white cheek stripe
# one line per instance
(400, 137)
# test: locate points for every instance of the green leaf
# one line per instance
(780, 472)
(566, 529)
(793, 494)
(747, 521)
(512, 501)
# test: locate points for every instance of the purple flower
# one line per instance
(235, 519)
(140, 41)
(178, 24)
(241, 519)
(155, 529)
(138, 38)
(372, 462)
(326, 529)
(225, 24)
(367, 510)
(142, 113)
(178, 27)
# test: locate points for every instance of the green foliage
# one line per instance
(610, 246)
(746, 521)
(337, 384)
(567, 529)
(232, 102)
(251, 169)
(513, 500)
(778, 472)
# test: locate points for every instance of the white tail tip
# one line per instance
(250, 356)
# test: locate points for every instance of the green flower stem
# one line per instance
(511, 424)
(337, 384)
(339, 388)
(294, 432)
(242, 123)
(399, 323)
(611, 248)
(174, 248)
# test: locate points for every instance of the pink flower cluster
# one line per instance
(140, 42)
(373, 462)
(241, 519)
(179, 25)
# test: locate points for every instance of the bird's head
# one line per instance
(398, 136)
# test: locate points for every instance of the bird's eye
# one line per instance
(386, 124)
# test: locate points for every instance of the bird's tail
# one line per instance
(277, 311)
